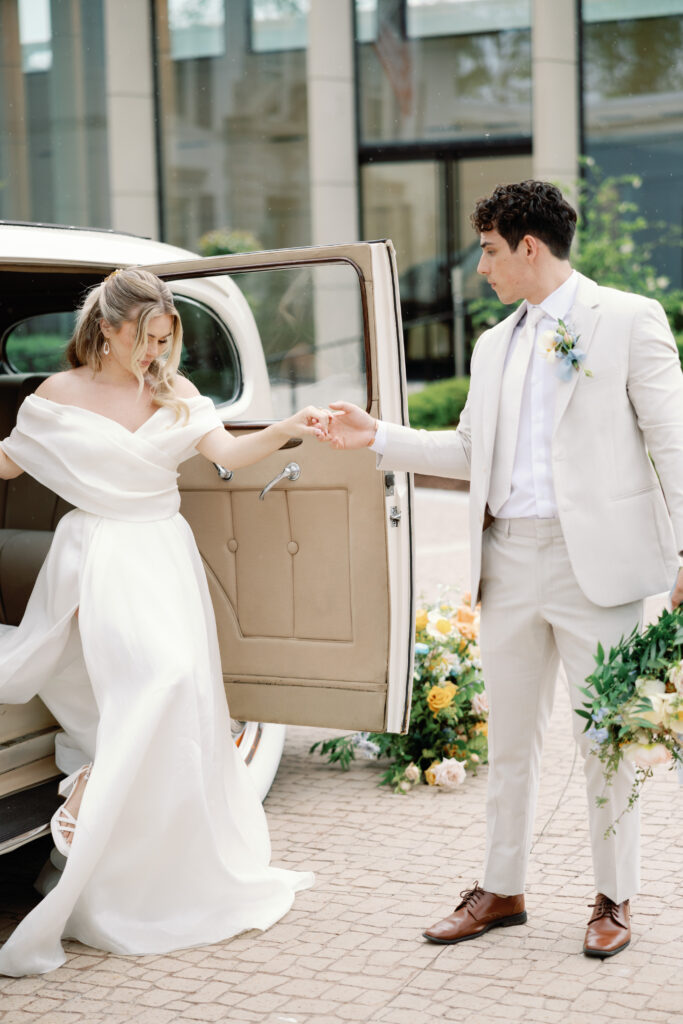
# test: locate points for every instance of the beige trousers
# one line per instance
(534, 614)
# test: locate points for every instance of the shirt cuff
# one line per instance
(380, 442)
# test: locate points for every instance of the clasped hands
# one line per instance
(344, 425)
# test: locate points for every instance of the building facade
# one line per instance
(317, 121)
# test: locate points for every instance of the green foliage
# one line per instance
(37, 353)
(615, 245)
(635, 701)
(439, 404)
(448, 710)
(226, 241)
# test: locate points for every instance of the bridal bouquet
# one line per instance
(447, 736)
(635, 701)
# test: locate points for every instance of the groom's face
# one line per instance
(509, 273)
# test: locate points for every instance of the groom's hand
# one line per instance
(677, 592)
(350, 426)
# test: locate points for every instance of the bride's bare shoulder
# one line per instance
(62, 387)
(184, 388)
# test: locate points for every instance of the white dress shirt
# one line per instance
(532, 492)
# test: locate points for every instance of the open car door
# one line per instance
(312, 583)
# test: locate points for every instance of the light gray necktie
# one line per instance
(509, 407)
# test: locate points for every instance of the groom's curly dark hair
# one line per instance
(528, 208)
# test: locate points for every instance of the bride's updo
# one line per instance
(131, 294)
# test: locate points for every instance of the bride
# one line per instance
(166, 839)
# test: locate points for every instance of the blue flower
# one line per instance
(422, 648)
(598, 735)
(565, 367)
(601, 713)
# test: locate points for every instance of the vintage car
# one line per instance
(308, 554)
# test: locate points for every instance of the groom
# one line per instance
(571, 525)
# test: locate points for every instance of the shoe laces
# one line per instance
(470, 895)
(605, 907)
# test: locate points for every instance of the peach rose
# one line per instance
(647, 754)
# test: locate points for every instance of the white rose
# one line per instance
(675, 676)
(412, 772)
(480, 705)
(646, 686)
(449, 773)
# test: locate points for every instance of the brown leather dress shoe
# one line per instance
(609, 929)
(479, 911)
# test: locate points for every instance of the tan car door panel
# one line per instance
(299, 585)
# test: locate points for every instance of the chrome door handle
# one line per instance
(292, 471)
(224, 474)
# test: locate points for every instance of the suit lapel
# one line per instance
(582, 320)
(497, 351)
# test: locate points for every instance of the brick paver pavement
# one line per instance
(350, 949)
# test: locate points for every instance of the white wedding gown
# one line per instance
(172, 846)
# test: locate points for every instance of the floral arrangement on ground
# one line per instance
(635, 702)
(447, 735)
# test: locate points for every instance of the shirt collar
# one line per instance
(558, 303)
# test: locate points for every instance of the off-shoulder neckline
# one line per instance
(110, 419)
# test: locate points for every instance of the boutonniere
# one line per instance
(560, 346)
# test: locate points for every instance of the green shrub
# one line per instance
(439, 404)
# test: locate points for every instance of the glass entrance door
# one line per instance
(424, 206)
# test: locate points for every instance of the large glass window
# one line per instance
(53, 126)
(443, 70)
(233, 121)
(633, 105)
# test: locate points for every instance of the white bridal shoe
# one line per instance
(63, 823)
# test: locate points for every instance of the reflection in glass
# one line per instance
(196, 29)
(459, 17)
(279, 25)
(53, 112)
(620, 10)
(35, 34)
(633, 106)
(471, 83)
(311, 327)
(234, 135)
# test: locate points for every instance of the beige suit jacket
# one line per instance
(622, 521)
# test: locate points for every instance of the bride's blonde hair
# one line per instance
(131, 294)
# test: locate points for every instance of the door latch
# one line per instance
(395, 515)
(292, 471)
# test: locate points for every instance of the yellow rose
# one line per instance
(439, 697)
(429, 774)
(443, 626)
(482, 727)
(421, 619)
